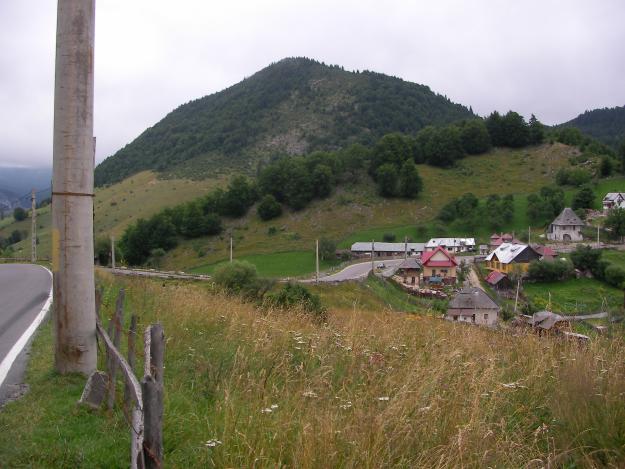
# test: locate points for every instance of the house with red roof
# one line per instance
(439, 266)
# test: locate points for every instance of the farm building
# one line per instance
(439, 266)
(410, 270)
(566, 227)
(387, 249)
(508, 257)
(613, 200)
(474, 306)
(451, 244)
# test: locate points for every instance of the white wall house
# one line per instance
(613, 200)
(451, 244)
(566, 227)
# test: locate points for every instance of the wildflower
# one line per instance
(515, 385)
(425, 409)
(212, 443)
(311, 394)
(346, 406)
(383, 398)
(266, 411)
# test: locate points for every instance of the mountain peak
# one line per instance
(292, 106)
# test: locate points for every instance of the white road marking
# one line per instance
(17, 348)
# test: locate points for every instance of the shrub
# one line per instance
(389, 237)
(269, 208)
(615, 276)
(102, 250)
(585, 258)
(327, 249)
(550, 271)
(296, 295)
(19, 214)
(236, 276)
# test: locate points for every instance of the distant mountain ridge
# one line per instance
(293, 106)
(606, 125)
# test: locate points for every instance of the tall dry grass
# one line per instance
(370, 390)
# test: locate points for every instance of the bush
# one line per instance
(269, 208)
(615, 276)
(584, 198)
(327, 249)
(573, 177)
(585, 258)
(19, 214)
(102, 250)
(236, 276)
(296, 295)
(550, 271)
(389, 237)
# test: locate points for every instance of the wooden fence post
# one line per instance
(118, 320)
(152, 390)
(132, 337)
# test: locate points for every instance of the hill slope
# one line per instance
(606, 125)
(293, 106)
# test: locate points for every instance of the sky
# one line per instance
(553, 58)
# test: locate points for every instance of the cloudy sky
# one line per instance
(552, 58)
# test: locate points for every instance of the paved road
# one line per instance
(360, 271)
(24, 290)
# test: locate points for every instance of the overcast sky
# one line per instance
(555, 59)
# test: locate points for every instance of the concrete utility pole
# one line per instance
(405, 247)
(113, 252)
(317, 260)
(33, 227)
(72, 189)
(372, 255)
(230, 248)
(529, 235)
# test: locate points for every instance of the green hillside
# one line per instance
(294, 106)
(606, 125)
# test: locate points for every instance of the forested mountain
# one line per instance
(293, 106)
(606, 125)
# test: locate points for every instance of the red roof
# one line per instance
(426, 256)
(494, 277)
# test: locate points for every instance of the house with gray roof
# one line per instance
(474, 306)
(387, 249)
(410, 271)
(566, 227)
(613, 200)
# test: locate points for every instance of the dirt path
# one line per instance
(473, 280)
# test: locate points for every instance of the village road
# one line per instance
(361, 270)
(24, 290)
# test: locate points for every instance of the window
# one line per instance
(486, 317)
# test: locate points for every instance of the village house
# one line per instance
(613, 200)
(498, 280)
(510, 257)
(363, 249)
(439, 266)
(474, 306)
(410, 271)
(497, 240)
(451, 244)
(566, 227)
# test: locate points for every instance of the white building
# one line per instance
(613, 200)
(387, 249)
(451, 244)
(566, 227)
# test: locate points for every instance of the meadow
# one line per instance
(248, 386)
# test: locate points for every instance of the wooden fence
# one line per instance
(142, 401)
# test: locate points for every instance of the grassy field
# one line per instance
(575, 296)
(369, 389)
(279, 264)
(354, 212)
(117, 206)
(614, 257)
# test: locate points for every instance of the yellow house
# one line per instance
(508, 258)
